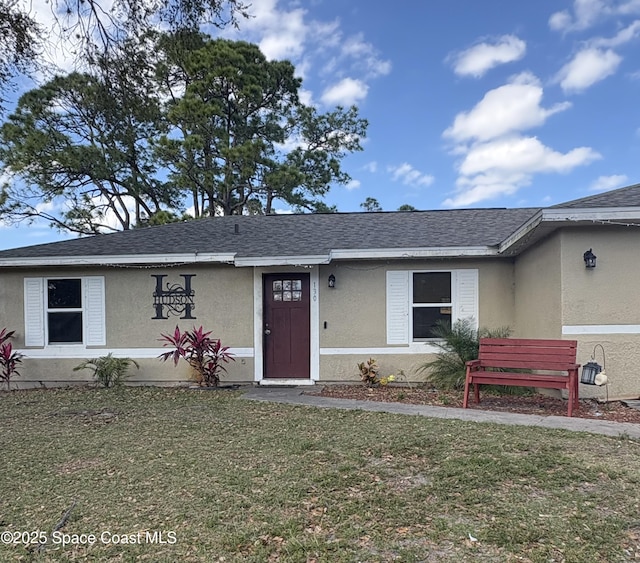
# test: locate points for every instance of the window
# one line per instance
(287, 290)
(431, 303)
(417, 300)
(63, 311)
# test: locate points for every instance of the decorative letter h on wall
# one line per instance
(175, 298)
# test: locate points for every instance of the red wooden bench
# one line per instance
(519, 353)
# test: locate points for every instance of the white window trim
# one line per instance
(413, 305)
(399, 306)
(36, 307)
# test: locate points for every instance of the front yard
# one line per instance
(183, 475)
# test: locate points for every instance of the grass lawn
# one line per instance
(224, 479)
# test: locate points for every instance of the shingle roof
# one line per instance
(309, 235)
(297, 235)
(623, 197)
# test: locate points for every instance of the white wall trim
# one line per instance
(601, 329)
(414, 348)
(314, 319)
(258, 364)
(591, 214)
(287, 382)
(80, 352)
(521, 232)
(435, 252)
(159, 259)
(257, 261)
(314, 337)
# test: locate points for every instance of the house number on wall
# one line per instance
(173, 299)
(315, 291)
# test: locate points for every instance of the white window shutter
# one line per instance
(398, 307)
(465, 299)
(33, 311)
(94, 312)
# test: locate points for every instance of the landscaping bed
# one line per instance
(528, 404)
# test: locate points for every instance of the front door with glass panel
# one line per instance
(286, 326)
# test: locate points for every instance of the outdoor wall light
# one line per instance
(332, 281)
(589, 258)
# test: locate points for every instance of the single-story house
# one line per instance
(305, 298)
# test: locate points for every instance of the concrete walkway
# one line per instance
(296, 396)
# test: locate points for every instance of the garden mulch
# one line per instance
(537, 404)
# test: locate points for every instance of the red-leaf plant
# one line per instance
(9, 358)
(204, 354)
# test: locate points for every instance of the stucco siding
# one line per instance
(152, 371)
(608, 293)
(344, 368)
(602, 305)
(354, 313)
(131, 330)
(538, 296)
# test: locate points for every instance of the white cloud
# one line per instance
(371, 167)
(286, 31)
(284, 37)
(625, 35)
(480, 58)
(509, 108)
(306, 97)
(352, 185)
(346, 92)
(605, 183)
(280, 33)
(520, 154)
(409, 176)
(365, 56)
(501, 167)
(588, 67)
(587, 13)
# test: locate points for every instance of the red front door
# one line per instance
(286, 326)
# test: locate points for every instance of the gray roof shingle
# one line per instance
(622, 197)
(297, 235)
(317, 235)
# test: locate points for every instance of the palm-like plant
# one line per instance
(458, 344)
(107, 370)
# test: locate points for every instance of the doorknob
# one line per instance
(267, 331)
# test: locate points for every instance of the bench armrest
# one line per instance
(473, 363)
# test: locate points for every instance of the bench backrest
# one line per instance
(549, 355)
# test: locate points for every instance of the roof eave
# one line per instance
(548, 220)
(248, 261)
(402, 253)
(116, 260)
(367, 254)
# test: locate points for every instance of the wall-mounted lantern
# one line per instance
(589, 258)
(332, 281)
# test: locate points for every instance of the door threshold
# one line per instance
(288, 382)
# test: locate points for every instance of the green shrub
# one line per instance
(459, 344)
(204, 354)
(107, 370)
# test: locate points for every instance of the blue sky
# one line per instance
(470, 104)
